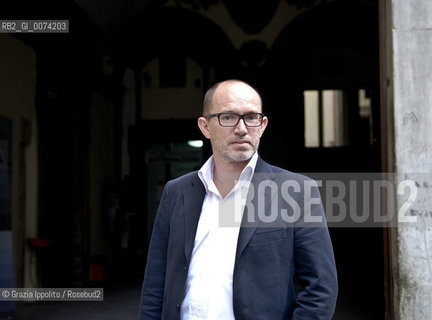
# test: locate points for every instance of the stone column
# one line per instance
(411, 56)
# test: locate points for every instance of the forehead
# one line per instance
(236, 97)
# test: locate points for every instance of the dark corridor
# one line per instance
(318, 74)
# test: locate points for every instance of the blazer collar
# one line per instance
(193, 198)
(251, 220)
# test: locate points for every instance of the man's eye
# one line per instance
(251, 117)
(227, 117)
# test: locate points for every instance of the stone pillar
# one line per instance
(411, 56)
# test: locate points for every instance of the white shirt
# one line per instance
(209, 281)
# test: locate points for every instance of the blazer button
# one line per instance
(178, 307)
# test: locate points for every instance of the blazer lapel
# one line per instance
(251, 220)
(193, 199)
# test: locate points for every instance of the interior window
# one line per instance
(327, 119)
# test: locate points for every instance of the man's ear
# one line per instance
(203, 125)
(263, 125)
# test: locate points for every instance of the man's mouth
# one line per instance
(241, 142)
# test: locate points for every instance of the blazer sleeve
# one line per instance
(152, 294)
(314, 262)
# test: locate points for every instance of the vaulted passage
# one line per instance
(113, 118)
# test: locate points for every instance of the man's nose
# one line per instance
(241, 127)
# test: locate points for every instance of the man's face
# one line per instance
(239, 143)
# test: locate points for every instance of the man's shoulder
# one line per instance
(284, 174)
(184, 181)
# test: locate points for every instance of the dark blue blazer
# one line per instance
(284, 269)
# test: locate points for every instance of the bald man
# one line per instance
(230, 239)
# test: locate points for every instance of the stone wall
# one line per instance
(411, 35)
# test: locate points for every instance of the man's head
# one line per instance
(231, 142)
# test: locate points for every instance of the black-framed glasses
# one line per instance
(228, 119)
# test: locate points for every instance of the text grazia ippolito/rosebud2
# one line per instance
(51, 294)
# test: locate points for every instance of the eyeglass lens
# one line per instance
(232, 119)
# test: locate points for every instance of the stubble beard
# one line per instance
(238, 156)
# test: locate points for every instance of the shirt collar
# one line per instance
(206, 172)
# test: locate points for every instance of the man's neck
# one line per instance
(225, 175)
